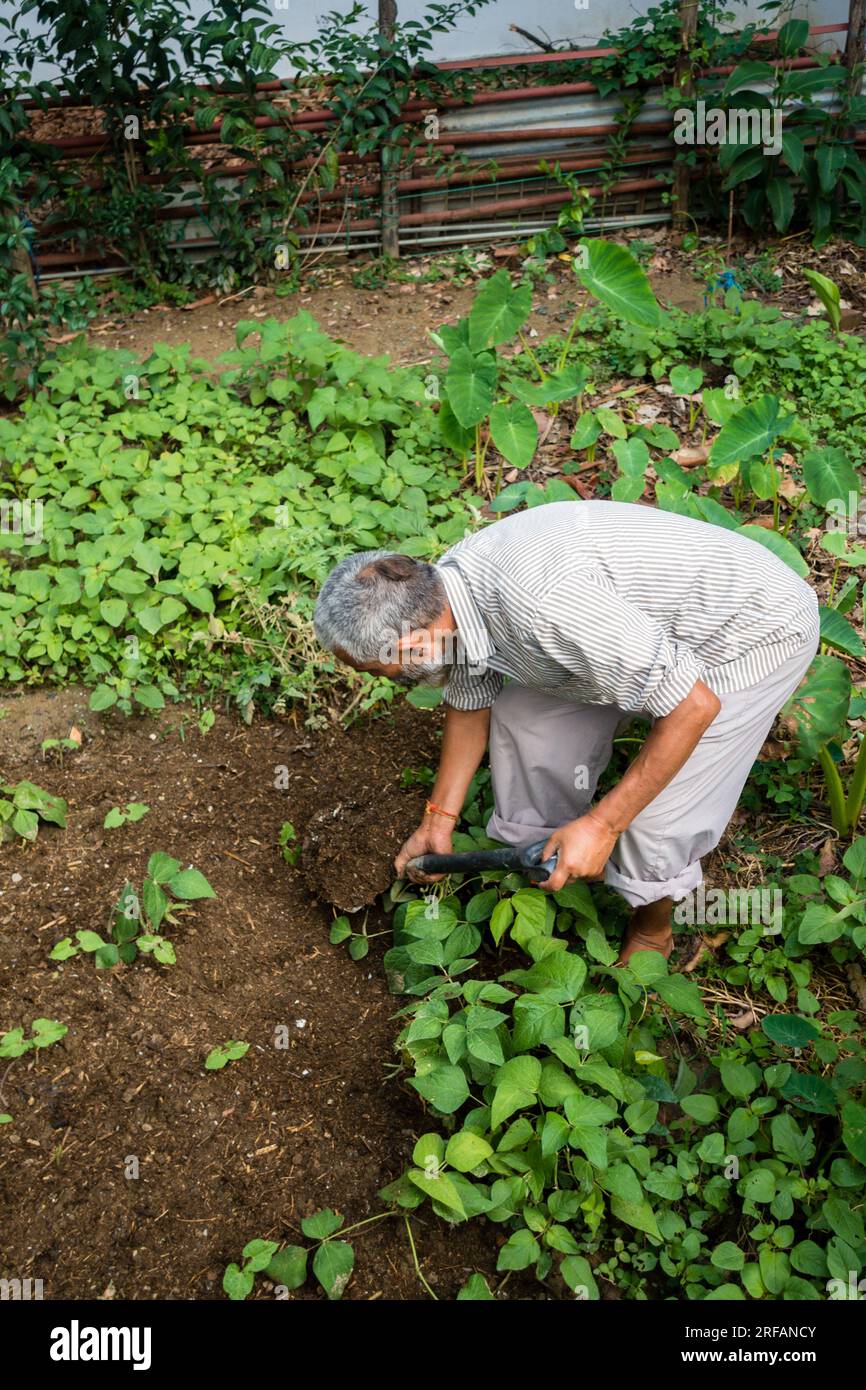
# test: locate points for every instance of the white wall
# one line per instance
(487, 33)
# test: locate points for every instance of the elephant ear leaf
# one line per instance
(818, 709)
(614, 276)
(498, 310)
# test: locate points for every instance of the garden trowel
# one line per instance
(526, 860)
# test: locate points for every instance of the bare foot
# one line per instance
(663, 942)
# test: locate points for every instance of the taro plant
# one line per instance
(686, 381)
(818, 713)
(480, 386)
(23, 805)
(137, 919)
(828, 292)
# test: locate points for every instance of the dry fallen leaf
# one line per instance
(688, 457)
(747, 1018)
(827, 857)
(707, 944)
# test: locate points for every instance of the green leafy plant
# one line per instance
(13, 1044)
(818, 711)
(137, 919)
(220, 1056)
(604, 1153)
(480, 387)
(813, 152)
(117, 816)
(301, 450)
(288, 842)
(358, 942)
(60, 746)
(287, 1267)
(45, 1031)
(828, 293)
(23, 805)
(835, 907)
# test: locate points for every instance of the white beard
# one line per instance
(435, 673)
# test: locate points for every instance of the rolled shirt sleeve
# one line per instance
(469, 690)
(622, 655)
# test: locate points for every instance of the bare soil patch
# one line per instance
(223, 1156)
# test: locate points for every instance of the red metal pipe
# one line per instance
(480, 211)
(575, 54)
(99, 142)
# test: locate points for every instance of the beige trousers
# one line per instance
(547, 754)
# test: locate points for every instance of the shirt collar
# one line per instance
(474, 641)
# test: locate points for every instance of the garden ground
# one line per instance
(395, 317)
(250, 1150)
(229, 1155)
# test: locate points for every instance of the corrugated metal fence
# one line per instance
(497, 192)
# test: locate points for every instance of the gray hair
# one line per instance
(371, 599)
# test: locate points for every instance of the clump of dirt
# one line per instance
(348, 851)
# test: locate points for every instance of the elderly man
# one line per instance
(549, 631)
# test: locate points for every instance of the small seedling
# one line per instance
(686, 381)
(23, 805)
(136, 920)
(359, 941)
(45, 1032)
(60, 746)
(14, 1044)
(220, 1056)
(287, 840)
(416, 777)
(206, 722)
(333, 1260)
(828, 292)
(135, 811)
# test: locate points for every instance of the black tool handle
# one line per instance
(470, 862)
(527, 860)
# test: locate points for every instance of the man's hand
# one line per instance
(584, 846)
(433, 836)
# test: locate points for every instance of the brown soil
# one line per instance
(342, 854)
(224, 1156)
(394, 318)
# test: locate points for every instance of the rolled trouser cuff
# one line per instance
(510, 832)
(639, 892)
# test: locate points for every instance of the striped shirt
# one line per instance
(618, 603)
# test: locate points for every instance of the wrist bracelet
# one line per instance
(433, 810)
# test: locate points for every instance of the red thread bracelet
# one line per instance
(432, 809)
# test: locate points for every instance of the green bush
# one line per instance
(177, 499)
